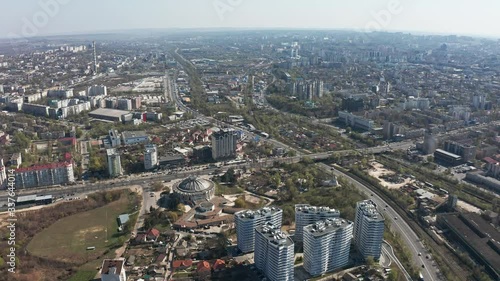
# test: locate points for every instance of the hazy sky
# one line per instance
(26, 18)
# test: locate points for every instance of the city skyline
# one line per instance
(59, 17)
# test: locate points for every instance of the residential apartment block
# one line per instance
(114, 163)
(326, 245)
(306, 214)
(368, 229)
(246, 222)
(274, 253)
(224, 144)
(150, 157)
(44, 175)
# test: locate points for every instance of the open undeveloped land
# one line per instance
(68, 238)
(378, 171)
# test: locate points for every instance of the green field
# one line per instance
(83, 276)
(68, 238)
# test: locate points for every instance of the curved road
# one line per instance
(397, 224)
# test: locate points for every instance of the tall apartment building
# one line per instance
(246, 222)
(326, 245)
(306, 214)
(113, 270)
(467, 151)
(224, 144)
(60, 94)
(136, 103)
(97, 90)
(150, 157)
(274, 254)
(124, 104)
(368, 229)
(44, 175)
(114, 163)
(391, 129)
(430, 143)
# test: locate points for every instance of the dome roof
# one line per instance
(194, 184)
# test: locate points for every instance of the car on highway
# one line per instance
(419, 254)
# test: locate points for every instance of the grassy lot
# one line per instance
(68, 238)
(83, 276)
(227, 190)
(163, 227)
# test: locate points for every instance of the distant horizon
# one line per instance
(236, 29)
(43, 18)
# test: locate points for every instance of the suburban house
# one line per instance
(219, 265)
(203, 267)
(152, 235)
(182, 264)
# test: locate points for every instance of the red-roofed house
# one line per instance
(492, 167)
(152, 234)
(490, 160)
(182, 264)
(219, 265)
(203, 267)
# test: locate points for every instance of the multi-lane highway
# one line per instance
(414, 244)
(138, 180)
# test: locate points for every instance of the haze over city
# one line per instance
(424, 16)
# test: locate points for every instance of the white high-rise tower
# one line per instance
(368, 229)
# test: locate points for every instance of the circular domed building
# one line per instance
(192, 190)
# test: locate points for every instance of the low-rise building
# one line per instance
(113, 270)
(136, 137)
(355, 121)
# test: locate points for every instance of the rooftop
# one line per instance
(369, 209)
(448, 153)
(109, 112)
(324, 227)
(44, 167)
(274, 235)
(478, 234)
(194, 184)
(134, 134)
(306, 208)
(250, 215)
(112, 266)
